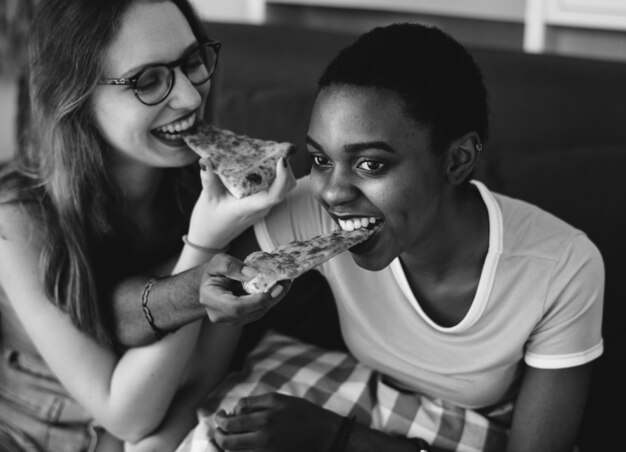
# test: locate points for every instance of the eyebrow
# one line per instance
(136, 70)
(356, 147)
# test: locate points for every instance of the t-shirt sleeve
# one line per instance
(298, 217)
(570, 332)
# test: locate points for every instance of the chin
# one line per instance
(371, 263)
(182, 157)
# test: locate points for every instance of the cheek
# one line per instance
(208, 100)
(316, 185)
(119, 121)
(399, 203)
(391, 200)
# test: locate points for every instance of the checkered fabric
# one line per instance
(337, 382)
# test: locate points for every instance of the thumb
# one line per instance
(284, 182)
(227, 265)
(211, 183)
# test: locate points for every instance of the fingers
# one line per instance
(242, 442)
(211, 183)
(285, 180)
(250, 415)
(222, 297)
(240, 423)
(257, 402)
(227, 265)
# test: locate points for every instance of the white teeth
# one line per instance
(356, 223)
(179, 126)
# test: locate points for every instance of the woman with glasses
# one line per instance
(96, 201)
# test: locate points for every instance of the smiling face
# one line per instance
(371, 160)
(151, 32)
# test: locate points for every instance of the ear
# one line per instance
(462, 155)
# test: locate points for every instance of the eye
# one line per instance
(194, 61)
(320, 161)
(371, 165)
(150, 79)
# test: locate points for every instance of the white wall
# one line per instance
(508, 10)
(231, 10)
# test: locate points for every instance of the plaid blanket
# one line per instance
(337, 382)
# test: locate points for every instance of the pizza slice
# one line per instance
(295, 258)
(245, 165)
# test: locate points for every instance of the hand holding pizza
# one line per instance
(218, 217)
(223, 297)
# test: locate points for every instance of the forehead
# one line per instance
(347, 113)
(149, 32)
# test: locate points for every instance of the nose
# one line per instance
(337, 188)
(185, 95)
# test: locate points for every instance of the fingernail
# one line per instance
(276, 291)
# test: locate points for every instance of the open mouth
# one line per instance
(174, 130)
(359, 222)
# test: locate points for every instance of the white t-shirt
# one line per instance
(539, 301)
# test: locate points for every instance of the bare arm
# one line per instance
(117, 391)
(173, 302)
(177, 300)
(209, 363)
(549, 409)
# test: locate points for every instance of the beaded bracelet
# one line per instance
(158, 332)
(202, 249)
(343, 434)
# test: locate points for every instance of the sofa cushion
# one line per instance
(585, 187)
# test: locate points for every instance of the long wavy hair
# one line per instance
(59, 169)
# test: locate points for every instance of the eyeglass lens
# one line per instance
(155, 83)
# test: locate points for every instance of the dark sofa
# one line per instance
(558, 139)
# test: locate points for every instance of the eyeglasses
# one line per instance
(154, 83)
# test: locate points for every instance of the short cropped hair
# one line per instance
(438, 79)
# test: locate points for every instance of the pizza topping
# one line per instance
(245, 165)
(254, 178)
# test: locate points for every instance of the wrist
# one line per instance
(159, 333)
(204, 249)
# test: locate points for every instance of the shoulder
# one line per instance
(532, 231)
(18, 225)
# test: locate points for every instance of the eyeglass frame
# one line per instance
(132, 81)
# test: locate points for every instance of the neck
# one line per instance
(459, 240)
